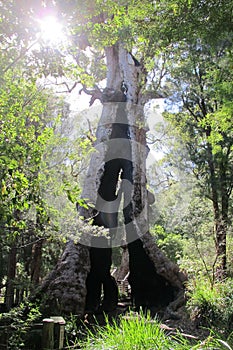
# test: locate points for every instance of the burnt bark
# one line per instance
(64, 290)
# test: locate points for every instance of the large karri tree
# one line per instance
(120, 58)
(116, 184)
(118, 55)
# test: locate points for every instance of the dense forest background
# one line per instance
(185, 48)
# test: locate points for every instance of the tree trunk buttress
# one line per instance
(64, 290)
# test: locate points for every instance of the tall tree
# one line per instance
(203, 88)
(23, 136)
(117, 172)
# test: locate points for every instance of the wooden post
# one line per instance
(59, 331)
(48, 334)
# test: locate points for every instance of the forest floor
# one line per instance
(181, 323)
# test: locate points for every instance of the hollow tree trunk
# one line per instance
(117, 178)
(121, 141)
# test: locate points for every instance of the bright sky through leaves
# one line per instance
(52, 31)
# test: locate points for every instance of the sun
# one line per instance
(51, 30)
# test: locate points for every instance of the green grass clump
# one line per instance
(137, 331)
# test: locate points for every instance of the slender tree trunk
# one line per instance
(220, 263)
(220, 200)
(221, 226)
(36, 262)
(11, 273)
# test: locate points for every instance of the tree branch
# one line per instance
(96, 94)
(23, 52)
(68, 89)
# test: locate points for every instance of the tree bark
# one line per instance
(220, 200)
(123, 270)
(221, 224)
(36, 262)
(117, 178)
(64, 290)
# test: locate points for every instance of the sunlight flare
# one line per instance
(52, 31)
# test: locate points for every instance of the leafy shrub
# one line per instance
(16, 324)
(212, 305)
(170, 243)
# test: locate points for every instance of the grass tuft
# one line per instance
(138, 331)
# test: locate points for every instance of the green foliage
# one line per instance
(170, 243)
(201, 90)
(197, 259)
(75, 331)
(229, 254)
(29, 117)
(211, 305)
(24, 133)
(204, 120)
(15, 325)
